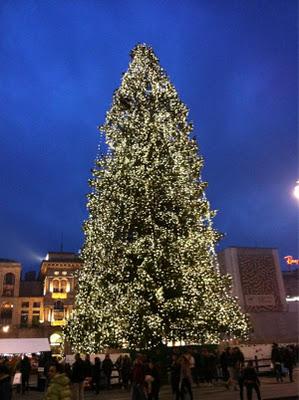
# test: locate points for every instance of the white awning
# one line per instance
(18, 346)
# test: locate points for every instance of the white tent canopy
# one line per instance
(18, 346)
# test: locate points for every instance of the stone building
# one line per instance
(37, 307)
(260, 287)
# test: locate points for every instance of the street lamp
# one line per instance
(296, 190)
(5, 328)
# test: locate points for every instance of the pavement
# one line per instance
(270, 390)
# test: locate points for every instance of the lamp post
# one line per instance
(296, 190)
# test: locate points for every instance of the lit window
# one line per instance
(8, 285)
(56, 272)
(6, 313)
(55, 285)
(64, 272)
(63, 286)
(24, 318)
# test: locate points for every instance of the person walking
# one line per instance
(251, 381)
(59, 387)
(78, 376)
(5, 383)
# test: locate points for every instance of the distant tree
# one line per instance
(150, 271)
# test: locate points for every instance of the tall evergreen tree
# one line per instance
(150, 271)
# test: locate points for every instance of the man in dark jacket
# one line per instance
(175, 376)
(107, 366)
(276, 359)
(5, 384)
(251, 381)
(138, 392)
(97, 374)
(289, 361)
(78, 376)
(25, 368)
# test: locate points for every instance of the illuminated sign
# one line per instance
(290, 260)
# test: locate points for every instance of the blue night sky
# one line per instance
(234, 64)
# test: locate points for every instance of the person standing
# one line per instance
(59, 387)
(175, 375)
(154, 383)
(107, 367)
(251, 381)
(78, 376)
(126, 371)
(97, 374)
(276, 360)
(289, 361)
(138, 379)
(5, 383)
(25, 368)
(239, 366)
(88, 367)
(224, 364)
(186, 378)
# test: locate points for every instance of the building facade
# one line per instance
(38, 307)
(262, 291)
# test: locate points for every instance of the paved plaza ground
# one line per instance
(269, 390)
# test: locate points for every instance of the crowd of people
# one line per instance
(194, 367)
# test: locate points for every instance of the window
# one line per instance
(63, 285)
(64, 273)
(25, 304)
(6, 313)
(58, 311)
(24, 319)
(35, 318)
(36, 305)
(55, 286)
(58, 305)
(8, 285)
(9, 279)
(56, 272)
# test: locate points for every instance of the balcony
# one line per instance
(59, 295)
(60, 322)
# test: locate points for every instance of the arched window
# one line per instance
(8, 284)
(9, 279)
(6, 313)
(56, 285)
(63, 285)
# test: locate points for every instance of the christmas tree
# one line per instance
(150, 270)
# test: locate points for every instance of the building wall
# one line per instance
(259, 287)
(257, 278)
(39, 309)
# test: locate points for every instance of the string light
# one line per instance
(150, 272)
